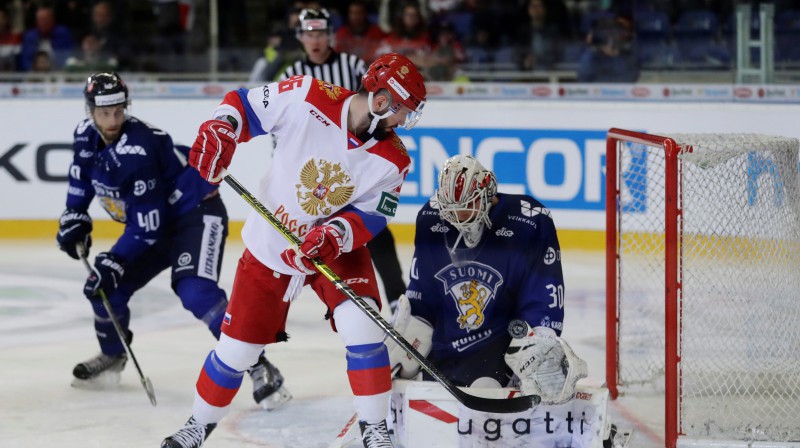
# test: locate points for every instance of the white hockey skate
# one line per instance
(191, 435)
(375, 435)
(99, 372)
(268, 389)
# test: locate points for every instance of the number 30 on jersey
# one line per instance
(557, 293)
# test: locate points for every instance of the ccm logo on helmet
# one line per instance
(399, 89)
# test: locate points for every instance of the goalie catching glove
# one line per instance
(545, 364)
(213, 149)
(416, 331)
(74, 227)
(325, 241)
(106, 274)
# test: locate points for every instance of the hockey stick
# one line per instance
(501, 405)
(148, 386)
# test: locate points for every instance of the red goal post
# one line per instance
(703, 283)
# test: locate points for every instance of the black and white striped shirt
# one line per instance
(341, 69)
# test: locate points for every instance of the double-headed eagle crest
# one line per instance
(332, 90)
(323, 187)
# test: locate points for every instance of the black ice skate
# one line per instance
(375, 435)
(102, 370)
(191, 435)
(268, 388)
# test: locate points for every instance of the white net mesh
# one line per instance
(740, 260)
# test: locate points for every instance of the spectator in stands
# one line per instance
(232, 20)
(74, 14)
(538, 41)
(610, 55)
(358, 36)
(409, 37)
(47, 36)
(10, 43)
(559, 15)
(107, 33)
(487, 31)
(391, 11)
(42, 62)
(282, 48)
(92, 58)
(447, 54)
(171, 37)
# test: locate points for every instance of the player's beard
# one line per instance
(380, 133)
(110, 137)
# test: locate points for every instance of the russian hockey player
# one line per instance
(336, 174)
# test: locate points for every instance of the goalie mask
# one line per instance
(465, 194)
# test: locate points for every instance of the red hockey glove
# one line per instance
(297, 261)
(325, 241)
(213, 149)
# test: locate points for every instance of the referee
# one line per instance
(344, 69)
(321, 60)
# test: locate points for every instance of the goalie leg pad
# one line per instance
(416, 331)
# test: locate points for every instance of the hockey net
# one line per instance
(703, 288)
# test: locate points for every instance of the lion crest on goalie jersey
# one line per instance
(323, 185)
(472, 286)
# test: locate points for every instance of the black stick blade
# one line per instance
(497, 406)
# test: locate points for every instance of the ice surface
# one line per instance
(46, 328)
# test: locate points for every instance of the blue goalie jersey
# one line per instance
(470, 295)
(141, 180)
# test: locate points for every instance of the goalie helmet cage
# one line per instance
(702, 286)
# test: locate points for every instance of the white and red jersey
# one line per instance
(320, 171)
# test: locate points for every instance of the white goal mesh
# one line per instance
(738, 323)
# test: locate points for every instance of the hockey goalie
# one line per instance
(485, 305)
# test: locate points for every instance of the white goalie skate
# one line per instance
(99, 372)
(268, 389)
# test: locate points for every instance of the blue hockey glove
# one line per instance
(74, 227)
(106, 274)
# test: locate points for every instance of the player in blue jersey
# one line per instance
(486, 267)
(173, 219)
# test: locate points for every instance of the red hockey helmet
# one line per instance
(397, 74)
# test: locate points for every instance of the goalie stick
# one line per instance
(496, 405)
(148, 386)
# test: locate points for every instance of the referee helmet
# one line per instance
(314, 20)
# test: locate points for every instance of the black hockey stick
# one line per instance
(148, 386)
(496, 405)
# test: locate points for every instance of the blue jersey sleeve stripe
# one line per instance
(373, 223)
(254, 124)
